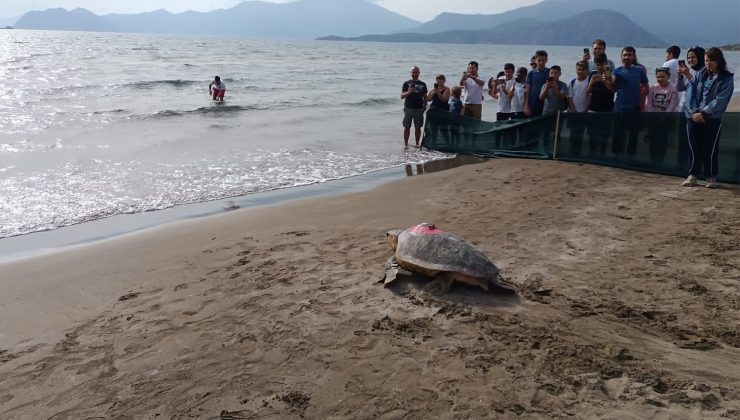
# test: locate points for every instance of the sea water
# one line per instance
(99, 124)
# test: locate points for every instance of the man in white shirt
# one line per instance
(473, 97)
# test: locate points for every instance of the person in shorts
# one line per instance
(414, 94)
(217, 88)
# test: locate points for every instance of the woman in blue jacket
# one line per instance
(707, 96)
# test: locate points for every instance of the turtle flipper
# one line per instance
(392, 270)
(441, 284)
(500, 285)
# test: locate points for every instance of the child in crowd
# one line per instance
(503, 91)
(600, 100)
(671, 56)
(662, 97)
(518, 99)
(578, 89)
(553, 93)
(456, 104)
(456, 107)
(517, 103)
(578, 102)
(536, 78)
(553, 98)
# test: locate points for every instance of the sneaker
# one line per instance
(690, 181)
(711, 182)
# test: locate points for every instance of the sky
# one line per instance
(422, 10)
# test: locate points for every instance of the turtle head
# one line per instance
(392, 237)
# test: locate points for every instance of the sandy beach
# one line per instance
(627, 307)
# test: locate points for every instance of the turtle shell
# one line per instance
(426, 249)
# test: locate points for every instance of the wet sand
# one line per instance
(627, 307)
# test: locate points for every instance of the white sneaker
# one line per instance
(711, 182)
(690, 181)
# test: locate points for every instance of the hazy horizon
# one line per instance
(420, 10)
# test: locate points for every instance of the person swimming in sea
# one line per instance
(217, 89)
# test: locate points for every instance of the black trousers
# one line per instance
(703, 146)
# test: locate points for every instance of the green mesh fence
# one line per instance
(650, 142)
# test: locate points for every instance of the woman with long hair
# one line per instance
(707, 96)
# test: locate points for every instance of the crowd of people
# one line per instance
(699, 86)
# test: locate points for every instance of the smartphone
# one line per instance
(550, 79)
(585, 51)
(436, 85)
(465, 73)
(682, 63)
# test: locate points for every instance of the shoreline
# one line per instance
(45, 242)
(274, 311)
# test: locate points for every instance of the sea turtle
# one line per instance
(427, 250)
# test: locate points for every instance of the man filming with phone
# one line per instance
(473, 85)
(597, 47)
(414, 94)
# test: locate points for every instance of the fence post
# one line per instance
(557, 137)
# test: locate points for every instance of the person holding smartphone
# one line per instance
(693, 64)
(597, 47)
(600, 93)
(473, 84)
(517, 99)
(439, 98)
(503, 90)
(414, 95)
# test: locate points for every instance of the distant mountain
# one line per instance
(300, 19)
(575, 30)
(63, 20)
(680, 22)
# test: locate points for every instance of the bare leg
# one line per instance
(417, 135)
(406, 134)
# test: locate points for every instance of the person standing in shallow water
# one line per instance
(707, 96)
(217, 88)
(414, 94)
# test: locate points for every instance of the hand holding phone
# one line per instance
(681, 63)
